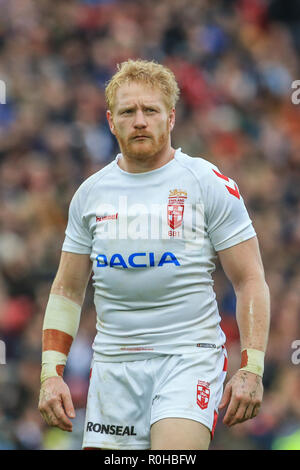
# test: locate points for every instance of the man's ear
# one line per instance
(110, 121)
(172, 118)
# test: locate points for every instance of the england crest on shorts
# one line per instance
(203, 394)
(176, 208)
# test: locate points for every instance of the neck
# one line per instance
(144, 164)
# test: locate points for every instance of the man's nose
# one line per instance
(140, 121)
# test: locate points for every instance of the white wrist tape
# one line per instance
(252, 360)
(60, 327)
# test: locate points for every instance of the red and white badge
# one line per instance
(203, 394)
(176, 207)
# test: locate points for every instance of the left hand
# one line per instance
(243, 395)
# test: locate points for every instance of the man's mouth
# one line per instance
(140, 137)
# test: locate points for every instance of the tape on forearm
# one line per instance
(252, 360)
(60, 327)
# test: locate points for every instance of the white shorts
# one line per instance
(126, 398)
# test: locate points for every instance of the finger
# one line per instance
(53, 421)
(62, 420)
(68, 405)
(44, 416)
(52, 409)
(231, 410)
(238, 416)
(226, 397)
(255, 411)
(49, 417)
(249, 412)
(245, 409)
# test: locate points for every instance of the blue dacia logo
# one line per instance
(136, 260)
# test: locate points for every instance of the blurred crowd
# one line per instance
(235, 62)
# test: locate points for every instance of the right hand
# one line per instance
(55, 403)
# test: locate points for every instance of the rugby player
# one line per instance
(149, 226)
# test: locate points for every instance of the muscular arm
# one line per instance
(243, 266)
(59, 329)
(72, 276)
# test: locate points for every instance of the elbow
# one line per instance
(256, 281)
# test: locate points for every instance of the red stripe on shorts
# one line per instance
(214, 424)
(225, 364)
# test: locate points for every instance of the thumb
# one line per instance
(225, 397)
(68, 404)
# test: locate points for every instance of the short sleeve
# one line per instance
(77, 237)
(228, 221)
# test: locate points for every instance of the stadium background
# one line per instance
(235, 62)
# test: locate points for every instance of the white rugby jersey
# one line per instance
(153, 238)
